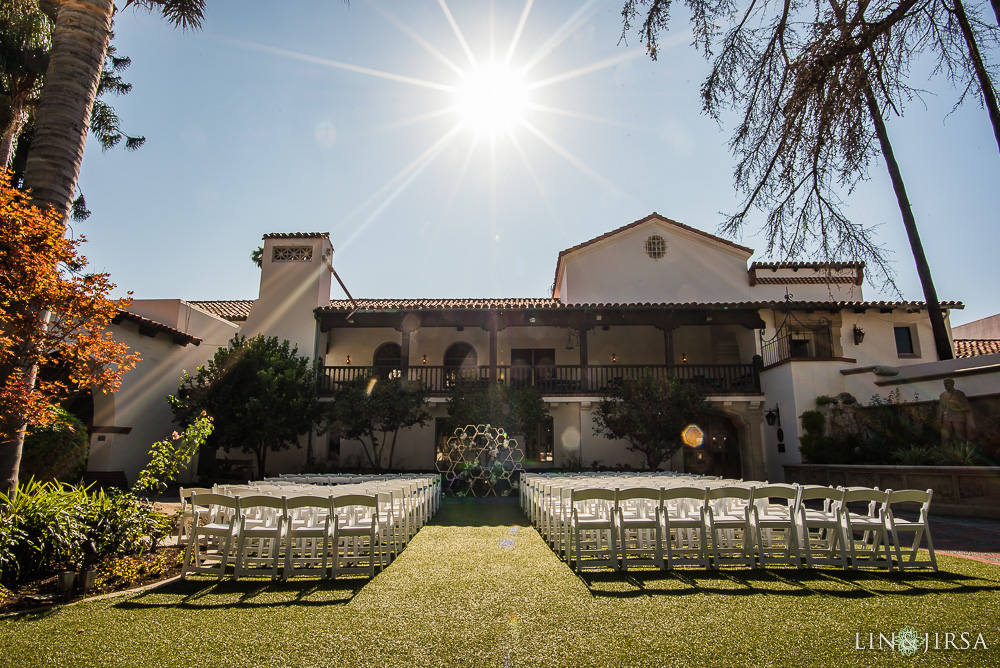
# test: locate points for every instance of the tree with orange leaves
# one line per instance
(53, 320)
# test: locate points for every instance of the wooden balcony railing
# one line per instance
(593, 380)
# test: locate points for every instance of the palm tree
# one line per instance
(80, 36)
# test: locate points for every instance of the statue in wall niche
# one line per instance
(841, 415)
(954, 413)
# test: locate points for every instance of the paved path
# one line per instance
(973, 538)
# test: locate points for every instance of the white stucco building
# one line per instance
(652, 297)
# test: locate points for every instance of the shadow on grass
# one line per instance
(203, 594)
(473, 512)
(788, 582)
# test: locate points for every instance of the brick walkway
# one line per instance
(973, 538)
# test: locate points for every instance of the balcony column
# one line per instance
(410, 323)
(493, 348)
(404, 344)
(584, 360)
(668, 350)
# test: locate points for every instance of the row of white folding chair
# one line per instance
(254, 530)
(536, 490)
(720, 524)
(548, 499)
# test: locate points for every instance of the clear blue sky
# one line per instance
(319, 116)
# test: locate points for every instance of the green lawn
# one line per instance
(457, 596)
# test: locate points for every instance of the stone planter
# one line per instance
(970, 491)
(67, 579)
(87, 579)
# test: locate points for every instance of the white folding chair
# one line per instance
(187, 511)
(309, 537)
(772, 517)
(591, 518)
(260, 536)
(726, 515)
(684, 535)
(639, 526)
(820, 525)
(356, 534)
(919, 528)
(865, 527)
(216, 518)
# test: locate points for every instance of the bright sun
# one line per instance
(492, 99)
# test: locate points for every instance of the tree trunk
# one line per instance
(79, 41)
(941, 341)
(985, 84)
(996, 9)
(80, 38)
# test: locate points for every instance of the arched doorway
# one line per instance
(388, 361)
(719, 453)
(460, 363)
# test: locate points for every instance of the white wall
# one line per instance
(985, 328)
(140, 404)
(617, 269)
(290, 291)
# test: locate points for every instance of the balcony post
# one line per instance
(404, 345)
(493, 347)
(584, 360)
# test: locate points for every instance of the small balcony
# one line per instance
(558, 380)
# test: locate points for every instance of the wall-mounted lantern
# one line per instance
(859, 335)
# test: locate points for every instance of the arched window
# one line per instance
(461, 356)
(460, 363)
(388, 358)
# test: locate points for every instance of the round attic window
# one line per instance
(656, 247)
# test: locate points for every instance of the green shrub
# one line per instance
(823, 400)
(917, 455)
(169, 457)
(43, 526)
(56, 452)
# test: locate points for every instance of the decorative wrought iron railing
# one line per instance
(557, 379)
(803, 344)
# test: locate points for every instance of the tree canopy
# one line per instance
(41, 272)
(372, 410)
(518, 410)
(811, 85)
(650, 414)
(260, 393)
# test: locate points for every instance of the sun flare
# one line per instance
(492, 99)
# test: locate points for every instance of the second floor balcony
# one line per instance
(556, 380)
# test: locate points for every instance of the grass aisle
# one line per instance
(474, 589)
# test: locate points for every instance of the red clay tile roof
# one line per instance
(237, 310)
(427, 304)
(145, 325)
(648, 218)
(481, 304)
(297, 235)
(808, 265)
(800, 280)
(232, 310)
(976, 347)
(826, 267)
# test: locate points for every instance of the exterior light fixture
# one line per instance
(859, 335)
(614, 358)
(348, 361)
(684, 358)
(773, 416)
(424, 361)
